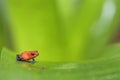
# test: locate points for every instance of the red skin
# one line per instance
(28, 55)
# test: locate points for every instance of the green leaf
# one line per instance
(104, 69)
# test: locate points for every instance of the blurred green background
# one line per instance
(76, 39)
(61, 30)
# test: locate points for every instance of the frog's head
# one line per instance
(34, 53)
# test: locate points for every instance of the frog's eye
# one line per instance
(32, 53)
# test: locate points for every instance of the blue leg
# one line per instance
(18, 58)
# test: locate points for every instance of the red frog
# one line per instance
(27, 55)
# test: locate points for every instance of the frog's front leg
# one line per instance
(33, 60)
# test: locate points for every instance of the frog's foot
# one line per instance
(32, 61)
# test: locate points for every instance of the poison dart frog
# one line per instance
(27, 55)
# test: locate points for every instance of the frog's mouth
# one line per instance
(37, 54)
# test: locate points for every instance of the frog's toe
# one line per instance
(33, 61)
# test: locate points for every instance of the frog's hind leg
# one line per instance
(18, 58)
